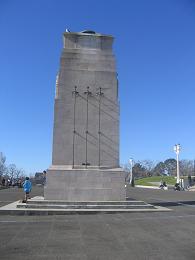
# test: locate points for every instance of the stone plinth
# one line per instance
(84, 184)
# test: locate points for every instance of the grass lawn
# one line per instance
(170, 180)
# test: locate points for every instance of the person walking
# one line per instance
(27, 186)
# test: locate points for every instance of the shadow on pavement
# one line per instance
(173, 203)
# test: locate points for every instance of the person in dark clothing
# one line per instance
(3, 182)
(177, 187)
(189, 180)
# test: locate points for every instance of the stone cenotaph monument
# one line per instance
(85, 158)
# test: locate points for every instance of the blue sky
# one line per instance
(155, 51)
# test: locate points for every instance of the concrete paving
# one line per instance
(13, 194)
(136, 236)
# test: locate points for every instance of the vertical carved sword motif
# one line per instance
(87, 93)
(100, 94)
(75, 94)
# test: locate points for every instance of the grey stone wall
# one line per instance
(86, 61)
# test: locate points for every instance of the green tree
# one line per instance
(170, 166)
(159, 169)
(139, 170)
(186, 167)
(148, 165)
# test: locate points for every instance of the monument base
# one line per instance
(92, 184)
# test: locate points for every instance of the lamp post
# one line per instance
(131, 170)
(177, 150)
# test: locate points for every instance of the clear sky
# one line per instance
(155, 51)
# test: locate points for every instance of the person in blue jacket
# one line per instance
(27, 186)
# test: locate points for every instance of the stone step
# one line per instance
(45, 206)
(84, 203)
(46, 212)
(39, 206)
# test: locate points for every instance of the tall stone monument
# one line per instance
(85, 159)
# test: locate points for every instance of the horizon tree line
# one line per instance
(10, 171)
(147, 168)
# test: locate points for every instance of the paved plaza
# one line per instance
(142, 236)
